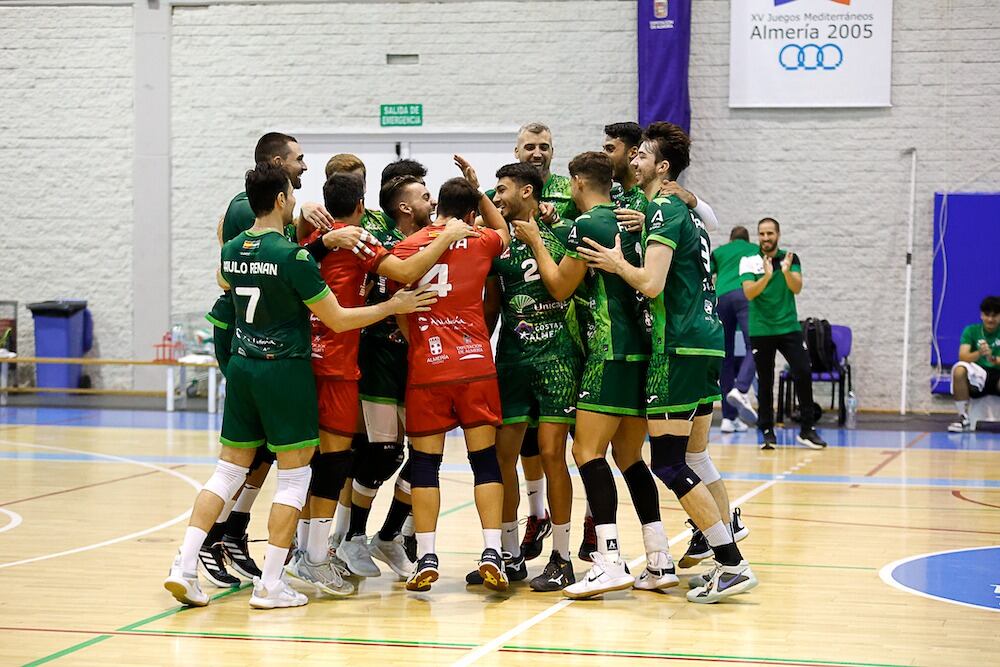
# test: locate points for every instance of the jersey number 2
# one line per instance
(437, 278)
(254, 294)
(530, 267)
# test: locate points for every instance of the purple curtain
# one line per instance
(664, 47)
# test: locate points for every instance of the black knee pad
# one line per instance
(703, 409)
(406, 472)
(485, 467)
(359, 446)
(425, 469)
(529, 446)
(263, 456)
(377, 463)
(330, 470)
(667, 462)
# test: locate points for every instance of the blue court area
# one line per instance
(967, 576)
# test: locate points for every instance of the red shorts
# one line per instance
(441, 407)
(338, 405)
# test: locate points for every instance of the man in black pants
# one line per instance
(770, 282)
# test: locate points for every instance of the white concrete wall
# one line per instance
(66, 167)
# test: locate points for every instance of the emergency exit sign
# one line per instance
(398, 115)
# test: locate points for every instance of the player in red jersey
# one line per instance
(452, 377)
(335, 364)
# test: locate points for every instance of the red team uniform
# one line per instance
(452, 379)
(335, 355)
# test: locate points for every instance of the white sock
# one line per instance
(536, 497)
(425, 543)
(245, 501)
(193, 539)
(511, 544)
(407, 530)
(318, 547)
(226, 511)
(718, 534)
(654, 538)
(560, 539)
(302, 534)
(343, 516)
(607, 539)
(274, 562)
(963, 408)
(491, 538)
(587, 512)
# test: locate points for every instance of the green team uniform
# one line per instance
(687, 334)
(634, 198)
(539, 352)
(726, 265)
(382, 351)
(973, 334)
(271, 391)
(773, 311)
(557, 192)
(616, 322)
(239, 217)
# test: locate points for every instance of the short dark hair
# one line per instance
(272, 145)
(669, 143)
(523, 174)
(263, 185)
(594, 167)
(342, 192)
(990, 305)
(777, 226)
(403, 167)
(628, 132)
(392, 192)
(739, 232)
(457, 198)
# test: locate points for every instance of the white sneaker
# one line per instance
(741, 402)
(392, 553)
(184, 585)
(727, 580)
(336, 539)
(701, 580)
(322, 575)
(963, 425)
(356, 556)
(728, 426)
(659, 573)
(281, 595)
(740, 425)
(607, 574)
(292, 566)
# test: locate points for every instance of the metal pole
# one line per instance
(909, 280)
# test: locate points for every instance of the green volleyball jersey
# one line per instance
(974, 334)
(726, 264)
(773, 311)
(634, 198)
(240, 217)
(557, 192)
(383, 228)
(684, 317)
(272, 280)
(617, 320)
(534, 327)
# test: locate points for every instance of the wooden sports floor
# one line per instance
(872, 552)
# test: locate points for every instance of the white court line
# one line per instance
(116, 540)
(492, 645)
(15, 520)
(885, 574)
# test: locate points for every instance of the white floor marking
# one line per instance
(15, 520)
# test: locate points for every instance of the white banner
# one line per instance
(810, 53)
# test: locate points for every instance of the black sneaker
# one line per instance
(740, 531)
(698, 549)
(589, 543)
(425, 573)
(410, 545)
(557, 575)
(239, 555)
(534, 533)
(492, 570)
(213, 566)
(515, 567)
(769, 439)
(810, 439)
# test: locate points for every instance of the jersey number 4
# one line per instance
(437, 278)
(254, 294)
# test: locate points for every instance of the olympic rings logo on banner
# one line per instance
(810, 56)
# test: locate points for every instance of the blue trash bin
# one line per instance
(62, 329)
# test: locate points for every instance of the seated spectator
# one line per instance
(977, 372)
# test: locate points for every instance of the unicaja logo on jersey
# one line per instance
(435, 344)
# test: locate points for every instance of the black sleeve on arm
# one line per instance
(318, 250)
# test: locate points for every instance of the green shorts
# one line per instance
(679, 383)
(223, 319)
(270, 401)
(613, 387)
(383, 370)
(543, 392)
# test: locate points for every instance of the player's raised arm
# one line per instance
(340, 319)
(490, 215)
(410, 270)
(560, 279)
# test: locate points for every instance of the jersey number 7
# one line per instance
(437, 278)
(254, 294)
